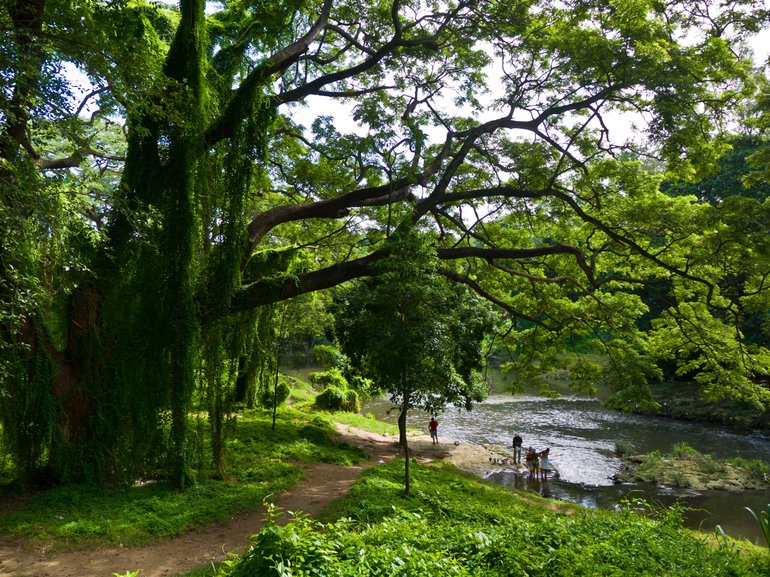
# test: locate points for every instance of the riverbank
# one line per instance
(212, 542)
(455, 524)
(479, 459)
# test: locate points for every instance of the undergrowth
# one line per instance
(457, 526)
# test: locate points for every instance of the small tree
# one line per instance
(417, 336)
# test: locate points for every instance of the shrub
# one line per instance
(281, 394)
(685, 452)
(330, 378)
(338, 399)
(329, 357)
(754, 468)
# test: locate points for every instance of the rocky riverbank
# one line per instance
(688, 469)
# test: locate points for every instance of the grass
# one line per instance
(302, 392)
(261, 462)
(686, 467)
(366, 422)
(457, 525)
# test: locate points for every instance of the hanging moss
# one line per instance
(139, 357)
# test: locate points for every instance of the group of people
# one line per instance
(537, 462)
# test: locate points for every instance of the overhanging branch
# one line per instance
(276, 290)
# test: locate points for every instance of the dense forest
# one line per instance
(578, 185)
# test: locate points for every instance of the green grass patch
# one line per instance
(298, 436)
(459, 526)
(365, 422)
(302, 393)
(86, 516)
(685, 467)
(260, 462)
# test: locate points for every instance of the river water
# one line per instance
(582, 435)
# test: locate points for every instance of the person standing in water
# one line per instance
(433, 428)
(517, 440)
(545, 464)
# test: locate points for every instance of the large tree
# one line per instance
(135, 261)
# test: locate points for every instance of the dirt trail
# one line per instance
(179, 555)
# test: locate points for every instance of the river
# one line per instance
(582, 435)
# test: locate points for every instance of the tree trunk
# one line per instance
(404, 444)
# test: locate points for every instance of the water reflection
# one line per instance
(582, 436)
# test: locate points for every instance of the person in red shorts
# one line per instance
(433, 428)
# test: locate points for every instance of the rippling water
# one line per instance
(582, 436)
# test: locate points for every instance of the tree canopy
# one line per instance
(151, 218)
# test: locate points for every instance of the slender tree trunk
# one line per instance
(275, 388)
(279, 344)
(404, 443)
(402, 427)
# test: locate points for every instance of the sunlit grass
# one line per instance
(455, 524)
(260, 462)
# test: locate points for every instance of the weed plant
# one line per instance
(764, 522)
(454, 525)
(623, 448)
(261, 462)
(756, 468)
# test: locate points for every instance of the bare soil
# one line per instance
(324, 483)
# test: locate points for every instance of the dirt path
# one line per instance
(324, 484)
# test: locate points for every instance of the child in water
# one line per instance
(544, 463)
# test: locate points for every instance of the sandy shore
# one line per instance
(476, 459)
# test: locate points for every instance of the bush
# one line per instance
(281, 394)
(330, 378)
(329, 357)
(685, 452)
(754, 468)
(338, 399)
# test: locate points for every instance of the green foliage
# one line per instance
(301, 393)
(330, 357)
(684, 451)
(754, 468)
(686, 467)
(455, 525)
(764, 522)
(280, 394)
(366, 422)
(336, 394)
(415, 336)
(623, 448)
(333, 377)
(141, 263)
(338, 399)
